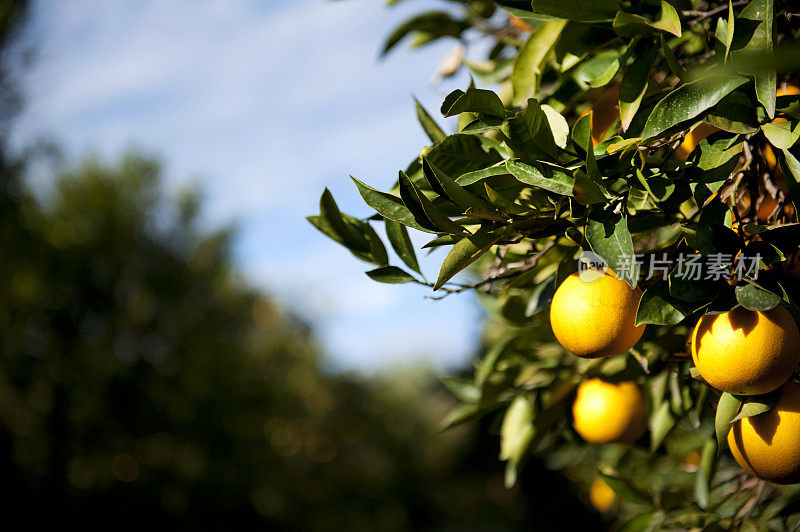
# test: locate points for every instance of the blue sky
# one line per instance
(261, 104)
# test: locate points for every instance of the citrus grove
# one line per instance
(616, 183)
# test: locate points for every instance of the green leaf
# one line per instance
(480, 101)
(608, 236)
(634, 84)
(753, 297)
(464, 253)
(734, 113)
(657, 307)
(755, 405)
(459, 154)
(782, 135)
(401, 243)
(505, 205)
(479, 175)
(578, 10)
(582, 132)
(718, 156)
(516, 431)
(529, 133)
(663, 422)
(625, 490)
(329, 211)
(489, 361)
(729, 30)
(389, 206)
(702, 483)
(727, 408)
(390, 275)
(688, 101)
(460, 415)
(558, 126)
(425, 213)
(432, 23)
(542, 176)
(464, 389)
(354, 234)
(754, 37)
(790, 168)
(640, 523)
(672, 61)
(529, 60)
(587, 190)
(445, 186)
(429, 125)
(632, 24)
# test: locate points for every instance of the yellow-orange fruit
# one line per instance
(745, 352)
(605, 412)
(768, 445)
(596, 318)
(693, 138)
(601, 495)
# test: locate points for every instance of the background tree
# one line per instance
(640, 131)
(143, 382)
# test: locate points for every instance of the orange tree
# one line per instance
(623, 190)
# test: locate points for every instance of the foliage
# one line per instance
(141, 380)
(531, 178)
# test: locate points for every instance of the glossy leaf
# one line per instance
(401, 243)
(657, 307)
(754, 37)
(755, 405)
(390, 275)
(529, 133)
(542, 176)
(474, 100)
(460, 153)
(528, 63)
(448, 188)
(688, 101)
(608, 236)
(464, 253)
(388, 206)
(429, 125)
(782, 135)
(727, 409)
(753, 297)
(425, 212)
(634, 84)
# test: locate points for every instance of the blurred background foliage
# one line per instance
(142, 381)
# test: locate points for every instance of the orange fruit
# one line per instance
(595, 317)
(693, 138)
(601, 495)
(745, 352)
(605, 412)
(768, 445)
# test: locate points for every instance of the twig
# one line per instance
(523, 266)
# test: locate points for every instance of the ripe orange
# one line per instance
(768, 445)
(606, 412)
(692, 139)
(595, 318)
(745, 352)
(601, 495)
